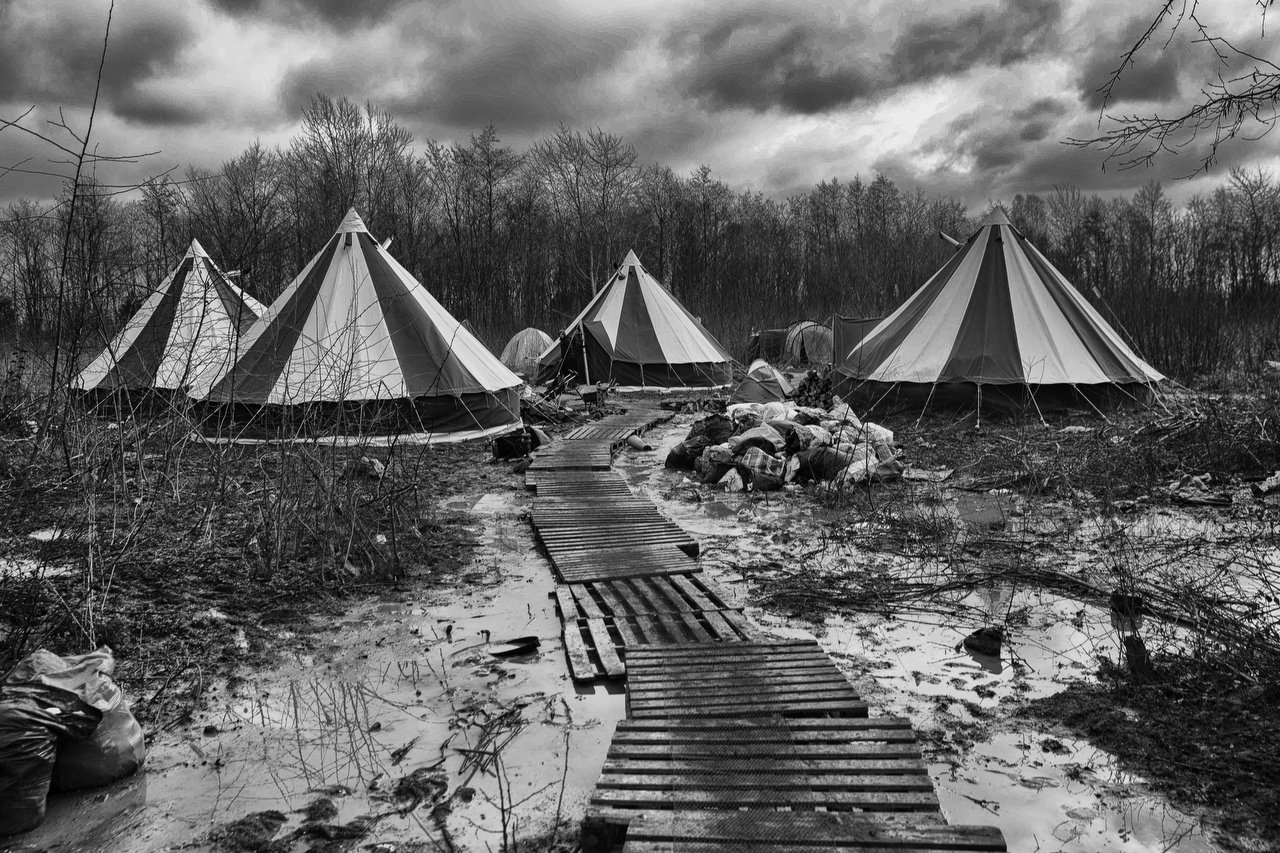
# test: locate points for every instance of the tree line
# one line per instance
(509, 238)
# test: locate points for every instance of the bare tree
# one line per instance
(1240, 101)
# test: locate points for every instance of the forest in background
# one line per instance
(508, 239)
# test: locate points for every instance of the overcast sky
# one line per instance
(965, 98)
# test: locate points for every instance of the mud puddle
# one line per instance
(414, 728)
(1044, 792)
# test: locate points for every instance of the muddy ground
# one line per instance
(392, 715)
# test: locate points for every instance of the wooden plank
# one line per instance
(613, 666)
(669, 596)
(719, 626)
(619, 597)
(564, 599)
(813, 706)
(761, 751)
(695, 594)
(771, 734)
(757, 692)
(676, 687)
(735, 798)
(798, 726)
(642, 781)
(833, 828)
(624, 627)
(716, 657)
(784, 766)
(580, 667)
(586, 602)
(760, 847)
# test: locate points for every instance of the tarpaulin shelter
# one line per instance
(191, 325)
(768, 344)
(997, 321)
(808, 343)
(635, 333)
(356, 335)
(523, 350)
(762, 384)
(848, 332)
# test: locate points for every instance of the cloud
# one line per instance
(759, 63)
(336, 14)
(762, 61)
(995, 36)
(52, 50)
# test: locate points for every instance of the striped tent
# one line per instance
(635, 333)
(355, 327)
(997, 316)
(190, 326)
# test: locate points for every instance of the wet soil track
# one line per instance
(732, 742)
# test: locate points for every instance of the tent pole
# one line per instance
(586, 369)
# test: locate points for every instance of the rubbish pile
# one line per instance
(64, 725)
(764, 446)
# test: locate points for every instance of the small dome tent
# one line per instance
(521, 353)
(762, 384)
(808, 343)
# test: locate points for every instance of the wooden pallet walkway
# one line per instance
(573, 456)
(732, 742)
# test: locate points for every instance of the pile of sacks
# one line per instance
(64, 725)
(763, 446)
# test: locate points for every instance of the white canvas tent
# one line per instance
(355, 327)
(190, 326)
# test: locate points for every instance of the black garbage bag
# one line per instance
(33, 719)
(711, 430)
(685, 454)
(821, 463)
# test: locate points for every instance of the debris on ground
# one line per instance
(767, 446)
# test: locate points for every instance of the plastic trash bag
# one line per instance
(116, 746)
(34, 718)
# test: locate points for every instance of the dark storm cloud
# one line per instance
(760, 64)
(1041, 109)
(332, 13)
(151, 108)
(995, 36)
(522, 74)
(48, 58)
(1156, 74)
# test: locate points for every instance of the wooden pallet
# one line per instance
(604, 620)
(788, 677)
(600, 432)
(659, 773)
(575, 455)
(638, 562)
(562, 483)
(760, 831)
(588, 537)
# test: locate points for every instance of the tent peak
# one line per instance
(996, 217)
(196, 250)
(352, 222)
(631, 259)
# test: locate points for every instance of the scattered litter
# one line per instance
(984, 641)
(509, 648)
(366, 467)
(921, 475)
